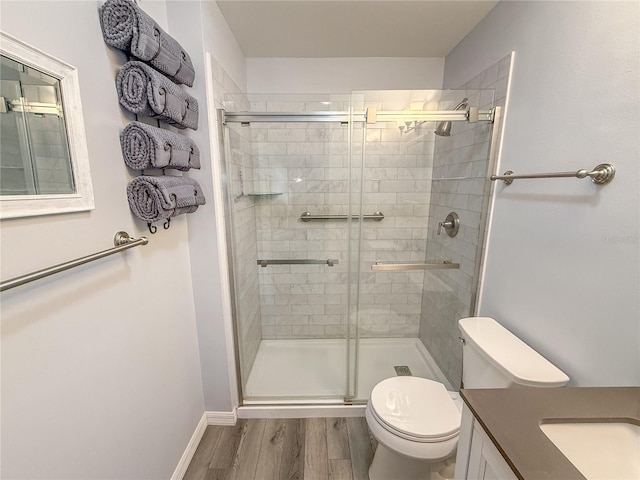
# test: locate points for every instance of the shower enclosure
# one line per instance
(355, 236)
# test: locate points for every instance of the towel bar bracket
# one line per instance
(121, 238)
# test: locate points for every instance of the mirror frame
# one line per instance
(15, 206)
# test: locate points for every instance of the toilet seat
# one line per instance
(415, 409)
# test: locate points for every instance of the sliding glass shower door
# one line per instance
(288, 178)
(344, 270)
(424, 170)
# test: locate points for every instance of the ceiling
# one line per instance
(345, 28)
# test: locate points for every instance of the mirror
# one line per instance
(34, 154)
(44, 167)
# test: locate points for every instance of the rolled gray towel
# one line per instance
(142, 89)
(156, 198)
(145, 146)
(127, 27)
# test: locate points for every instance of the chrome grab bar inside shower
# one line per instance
(299, 261)
(121, 240)
(395, 267)
(308, 216)
(600, 175)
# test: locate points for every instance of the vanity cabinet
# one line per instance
(477, 457)
(511, 417)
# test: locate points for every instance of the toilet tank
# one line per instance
(493, 357)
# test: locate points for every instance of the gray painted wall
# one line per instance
(100, 369)
(563, 265)
(201, 29)
(342, 75)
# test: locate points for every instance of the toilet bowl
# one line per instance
(416, 422)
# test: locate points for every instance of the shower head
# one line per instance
(444, 128)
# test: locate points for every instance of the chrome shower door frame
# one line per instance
(357, 122)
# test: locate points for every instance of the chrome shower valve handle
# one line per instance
(445, 225)
(451, 225)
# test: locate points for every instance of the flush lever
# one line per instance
(451, 225)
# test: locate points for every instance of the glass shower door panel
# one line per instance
(242, 242)
(460, 184)
(396, 182)
(415, 178)
(290, 184)
(357, 131)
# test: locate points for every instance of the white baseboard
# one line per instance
(221, 418)
(183, 464)
(208, 418)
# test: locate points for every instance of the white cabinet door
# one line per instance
(478, 458)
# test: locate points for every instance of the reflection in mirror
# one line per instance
(44, 164)
(34, 154)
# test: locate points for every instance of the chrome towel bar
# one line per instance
(307, 216)
(299, 261)
(396, 267)
(600, 175)
(121, 240)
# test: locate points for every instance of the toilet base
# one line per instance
(389, 465)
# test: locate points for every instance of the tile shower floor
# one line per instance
(315, 369)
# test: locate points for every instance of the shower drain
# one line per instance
(402, 371)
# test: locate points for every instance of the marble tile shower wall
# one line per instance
(245, 249)
(230, 97)
(448, 294)
(308, 163)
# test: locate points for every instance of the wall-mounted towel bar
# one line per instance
(299, 261)
(397, 267)
(307, 216)
(121, 240)
(600, 175)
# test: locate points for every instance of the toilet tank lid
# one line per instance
(509, 354)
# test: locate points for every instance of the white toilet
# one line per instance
(416, 421)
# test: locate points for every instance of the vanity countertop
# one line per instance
(512, 417)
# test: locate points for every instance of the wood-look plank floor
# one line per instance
(285, 449)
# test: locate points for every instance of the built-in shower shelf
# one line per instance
(258, 195)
